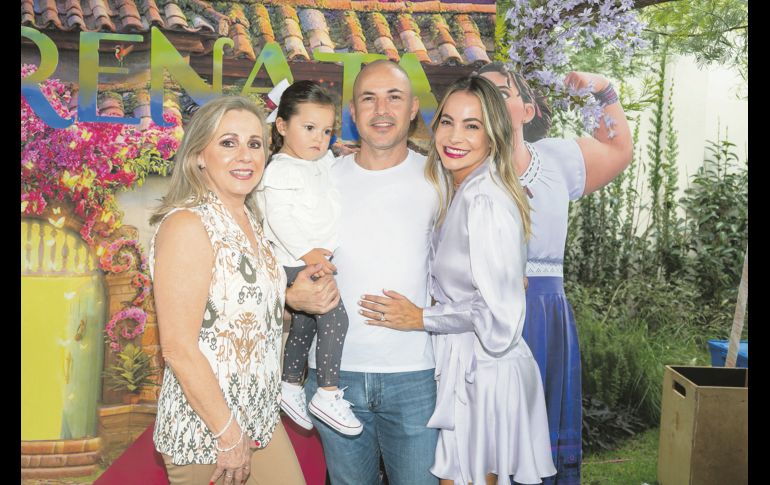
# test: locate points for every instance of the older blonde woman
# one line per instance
(220, 296)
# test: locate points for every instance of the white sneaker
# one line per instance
(335, 412)
(294, 404)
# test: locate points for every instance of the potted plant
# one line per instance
(132, 371)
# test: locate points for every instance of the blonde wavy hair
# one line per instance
(188, 187)
(497, 126)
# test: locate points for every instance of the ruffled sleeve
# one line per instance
(495, 312)
(281, 187)
(282, 176)
(568, 161)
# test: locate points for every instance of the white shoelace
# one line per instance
(338, 397)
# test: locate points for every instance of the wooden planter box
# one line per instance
(704, 426)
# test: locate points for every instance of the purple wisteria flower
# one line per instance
(543, 34)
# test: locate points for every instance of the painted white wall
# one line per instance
(138, 205)
(706, 102)
(707, 106)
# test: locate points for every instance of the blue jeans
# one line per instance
(394, 409)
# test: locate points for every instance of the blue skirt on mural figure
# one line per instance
(551, 334)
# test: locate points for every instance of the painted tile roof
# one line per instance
(438, 32)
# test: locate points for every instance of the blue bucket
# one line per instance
(718, 349)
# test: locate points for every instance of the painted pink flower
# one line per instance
(135, 314)
(142, 282)
(86, 163)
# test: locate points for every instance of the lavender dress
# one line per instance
(490, 408)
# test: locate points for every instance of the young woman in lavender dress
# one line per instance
(490, 407)
(553, 172)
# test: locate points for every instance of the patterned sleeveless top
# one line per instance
(240, 336)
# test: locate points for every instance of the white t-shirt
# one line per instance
(300, 206)
(384, 242)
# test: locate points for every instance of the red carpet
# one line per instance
(307, 446)
(140, 464)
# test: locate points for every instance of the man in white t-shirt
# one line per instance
(388, 209)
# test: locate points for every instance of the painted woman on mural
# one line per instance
(553, 172)
(219, 295)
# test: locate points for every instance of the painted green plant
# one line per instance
(132, 371)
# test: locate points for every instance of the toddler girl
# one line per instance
(301, 210)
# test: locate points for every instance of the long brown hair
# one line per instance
(497, 126)
(537, 128)
(296, 94)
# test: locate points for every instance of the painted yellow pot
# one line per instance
(62, 314)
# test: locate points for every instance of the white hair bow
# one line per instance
(274, 99)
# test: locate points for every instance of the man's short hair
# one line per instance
(378, 62)
(397, 67)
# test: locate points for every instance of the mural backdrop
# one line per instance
(107, 87)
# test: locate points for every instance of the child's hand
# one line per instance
(318, 256)
(318, 275)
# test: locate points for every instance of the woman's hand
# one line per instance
(393, 311)
(234, 464)
(580, 80)
(313, 297)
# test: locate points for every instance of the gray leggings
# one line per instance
(331, 327)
